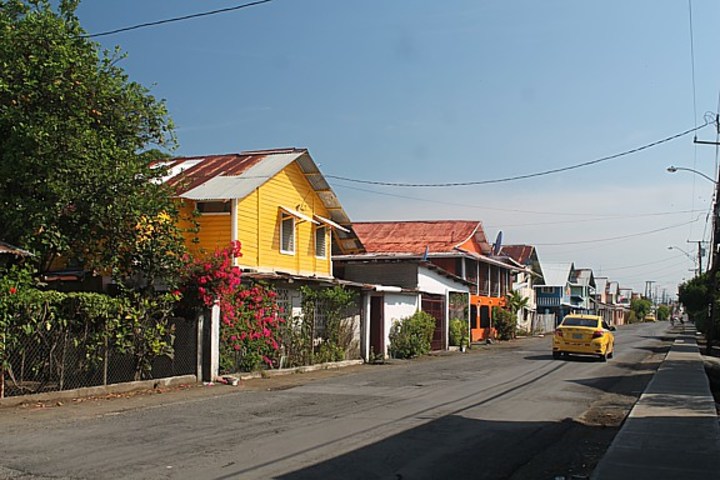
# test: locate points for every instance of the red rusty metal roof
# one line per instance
(519, 253)
(195, 171)
(415, 237)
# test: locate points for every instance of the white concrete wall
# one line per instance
(430, 281)
(397, 307)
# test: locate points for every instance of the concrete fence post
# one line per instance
(200, 342)
(215, 341)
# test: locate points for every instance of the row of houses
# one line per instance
(294, 232)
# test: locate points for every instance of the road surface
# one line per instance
(505, 411)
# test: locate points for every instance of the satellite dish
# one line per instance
(498, 243)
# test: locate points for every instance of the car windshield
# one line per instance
(579, 322)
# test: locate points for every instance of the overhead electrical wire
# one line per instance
(524, 176)
(620, 237)
(598, 216)
(629, 267)
(176, 19)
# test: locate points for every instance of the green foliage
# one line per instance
(458, 332)
(695, 296)
(516, 302)
(306, 343)
(641, 307)
(412, 336)
(74, 182)
(663, 313)
(142, 330)
(505, 323)
(135, 325)
(630, 317)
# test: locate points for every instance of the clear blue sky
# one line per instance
(445, 91)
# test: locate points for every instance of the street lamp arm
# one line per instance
(673, 169)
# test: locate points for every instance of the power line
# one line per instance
(526, 176)
(621, 237)
(176, 19)
(597, 216)
(629, 267)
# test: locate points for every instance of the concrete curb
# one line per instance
(99, 390)
(672, 431)
(291, 371)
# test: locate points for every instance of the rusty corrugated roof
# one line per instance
(236, 175)
(519, 253)
(416, 237)
(188, 173)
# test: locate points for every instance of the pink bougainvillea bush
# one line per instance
(249, 328)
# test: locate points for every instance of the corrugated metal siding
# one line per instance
(403, 275)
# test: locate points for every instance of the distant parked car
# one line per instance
(584, 335)
(650, 317)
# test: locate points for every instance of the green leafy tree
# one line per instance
(695, 295)
(663, 312)
(641, 307)
(76, 179)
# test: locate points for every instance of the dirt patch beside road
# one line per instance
(579, 446)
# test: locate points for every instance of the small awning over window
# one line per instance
(332, 224)
(298, 215)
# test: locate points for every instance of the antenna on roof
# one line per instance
(427, 251)
(498, 243)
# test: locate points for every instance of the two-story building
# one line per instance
(457, 255)
(277, 204)
(525, 280)
(554, 294)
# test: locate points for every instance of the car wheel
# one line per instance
(603, 357)
(612, 353)
(556, 355)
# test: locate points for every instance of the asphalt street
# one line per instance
(503, 411)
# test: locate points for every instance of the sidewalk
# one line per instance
(672, 431)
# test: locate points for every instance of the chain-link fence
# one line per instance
(64, 360)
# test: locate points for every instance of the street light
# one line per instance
(672, 247)
(673, 169)
(691, 257)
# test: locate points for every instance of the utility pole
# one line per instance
(649, 289)
(714, 253)
(701, 252)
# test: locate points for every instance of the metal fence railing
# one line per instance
(63, 361)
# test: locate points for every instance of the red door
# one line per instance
(435, 306)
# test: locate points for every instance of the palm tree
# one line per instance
(516, 302)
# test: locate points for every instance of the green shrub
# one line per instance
(411, 336)
(631, 317)
(663, 313)
(505, 323)
(458, 332)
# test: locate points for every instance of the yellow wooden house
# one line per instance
(275, 202)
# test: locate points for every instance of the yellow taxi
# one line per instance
(584, 335)
(650, 317)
